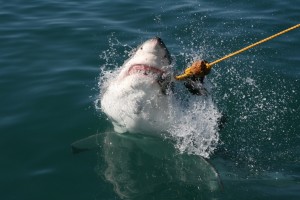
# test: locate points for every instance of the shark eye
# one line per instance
(141, 48)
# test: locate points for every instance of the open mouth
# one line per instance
(145, 70)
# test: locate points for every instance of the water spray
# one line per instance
(203, 68)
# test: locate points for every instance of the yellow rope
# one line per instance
(202, 71)
(255, 44)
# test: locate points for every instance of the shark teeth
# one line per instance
(144, 70)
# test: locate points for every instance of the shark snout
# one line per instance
(159, 41)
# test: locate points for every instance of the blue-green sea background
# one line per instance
(51, 57)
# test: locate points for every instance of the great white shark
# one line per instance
(136, 101)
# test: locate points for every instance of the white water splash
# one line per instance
(194, 124)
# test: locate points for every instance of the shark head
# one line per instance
(151, 58)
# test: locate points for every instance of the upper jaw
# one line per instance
(145, 70)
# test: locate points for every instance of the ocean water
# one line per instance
(52, 58)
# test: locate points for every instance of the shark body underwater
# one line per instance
(137, 100)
